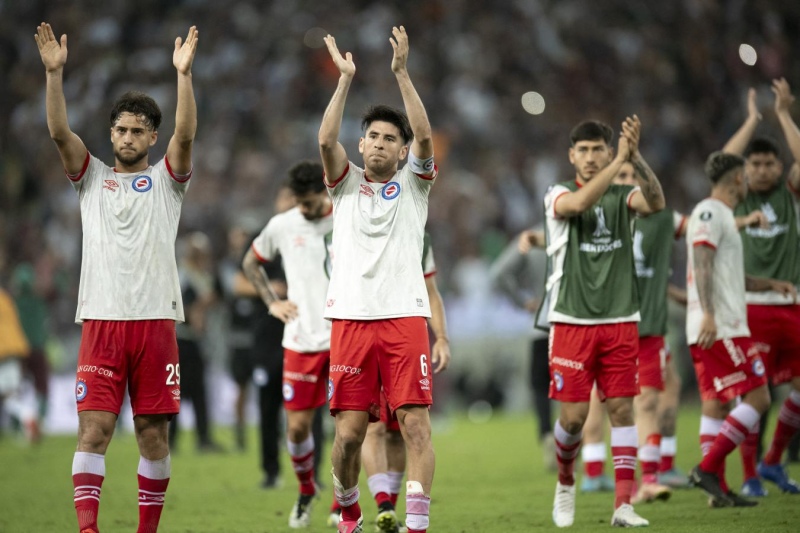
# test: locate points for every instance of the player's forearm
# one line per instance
(738, 143)
(253, 271)
(56, 107)
(649, 184)
(417, 116)
(755, 284)
(792, 134)
(676, 294)
(332, 119)
(185, 112)
(704, 277)
(438, 320)
(589, 194)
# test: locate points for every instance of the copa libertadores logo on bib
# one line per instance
(391, 190)
(142, 184)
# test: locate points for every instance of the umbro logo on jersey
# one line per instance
(391, 190)
(142, 184)
(330, 302)
(111, 185)
(425, 384)
(366, 190)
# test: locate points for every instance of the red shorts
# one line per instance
(653, 356)
(388, 417)
(142, 354)
(730, 368)
(581, 355)
(776, 330)
(305, 379)
(367, 354)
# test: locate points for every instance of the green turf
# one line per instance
(489, 479)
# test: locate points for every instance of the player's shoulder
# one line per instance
(561, 187)
(287, 218)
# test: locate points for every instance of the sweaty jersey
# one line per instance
(712, 224)
(653, 236)
(130, 221)
(377, 246)
(772, 252)
(590, 260)
(301, 244)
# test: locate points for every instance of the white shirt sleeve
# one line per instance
(265, 246)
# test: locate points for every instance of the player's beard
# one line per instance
(131, 159)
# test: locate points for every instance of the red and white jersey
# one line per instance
(712, 224)
(301, 245)
(130, 221)
(378, 235)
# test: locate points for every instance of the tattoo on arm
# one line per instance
(257, 276)
(651, 188)
(704, 276)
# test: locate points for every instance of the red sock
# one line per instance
(593, 468)
(667, 463)
(382, 497)
(624, 472)
(393, 498)
(151, 503)
(335, 507)
(730, 435)
(304, 470)
(749, 450)
(351, 512)
(649, 458)
(788, 425)
(565, 454)
(87, 498)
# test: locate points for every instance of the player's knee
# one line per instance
(647, 401)
(620, 413)
(377, 430)
(349, 439)
(417, 428)
(759, 398)
(94, 437)
(298, 432)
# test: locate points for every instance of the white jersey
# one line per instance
(712, 224)
(301, 244)
(130, 221)
(377, 246)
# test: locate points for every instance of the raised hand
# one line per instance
(632, 129)
(183, 56)
(53, 52)
(343, 63)
(783, 96)
(752, 105)
(400, 45)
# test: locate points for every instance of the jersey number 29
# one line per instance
(174, 376)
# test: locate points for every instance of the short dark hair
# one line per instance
(762, 145)
(591, 130)
(721, 165)
(306, 177)
(140, 105)
(392, 115)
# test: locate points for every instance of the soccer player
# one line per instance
(129, 297)
(592, 303)
(772, 252)
(383, 452)
(298, 235)
(727, 361)
(377, 298)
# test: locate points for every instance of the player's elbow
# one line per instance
(657, 204)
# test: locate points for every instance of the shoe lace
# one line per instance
(565, 503)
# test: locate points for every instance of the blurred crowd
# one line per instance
(263, 78)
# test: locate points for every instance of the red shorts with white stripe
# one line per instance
(653, 356)
(776, 330)
(730, 368)
(142, 354)
(305, 379)
(581, 355)
(368, 354)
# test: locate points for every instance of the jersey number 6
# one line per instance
(423, 364)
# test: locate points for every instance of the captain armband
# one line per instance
(420, 166)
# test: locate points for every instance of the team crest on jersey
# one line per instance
(769, 212)
(391, 190)
(330, 388)
(142, 184)
(558, 379)
(705, 216)
(80, 390)
(288, 392)
(758, 367)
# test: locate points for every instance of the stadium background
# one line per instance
(263, 79)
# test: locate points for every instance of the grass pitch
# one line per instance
(489, 479)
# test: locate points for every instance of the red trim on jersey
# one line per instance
(704, 243)
(630, 196)
(79, 175)
(180, 178)
(373, 181)
(681, 225)
(340, 178)
(578, 183)
(556, 200)
(258, 255)
(431, 177)
(429, 274)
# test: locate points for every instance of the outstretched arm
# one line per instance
(738, 143)
(334, 157)
(283, 310)
(650, 198)
(783, 102)
(440, 354)
(422, 147)
(179, 151)
(54, 57)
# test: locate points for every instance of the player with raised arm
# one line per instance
(727, 361)
(771, 251)
(592, 303)
(298, 235)
(129, 297)
(377, 298)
